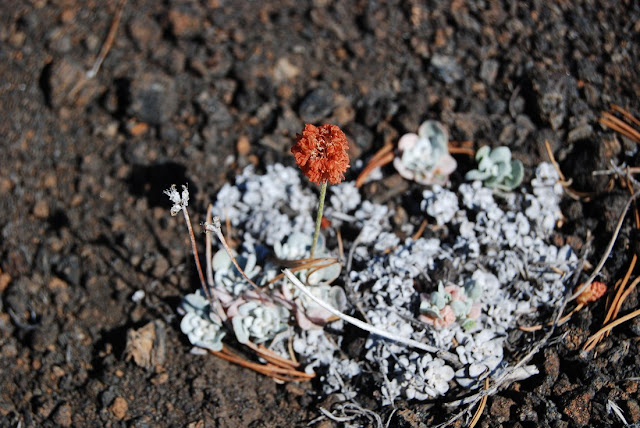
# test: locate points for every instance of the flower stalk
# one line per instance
(316, 233)
(321, 154)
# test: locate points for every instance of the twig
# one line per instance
(111, 35)
(574, 194)
(180, 203)
(420, 230)
(215, 227)
(445, 355)
(604, 258)
(208, 251)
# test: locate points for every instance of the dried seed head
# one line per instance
(321, 153)
(593, 292)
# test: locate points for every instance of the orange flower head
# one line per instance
(593, 292)
(321, 153)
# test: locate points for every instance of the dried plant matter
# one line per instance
(147, 345)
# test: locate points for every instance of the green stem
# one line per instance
(323, 192)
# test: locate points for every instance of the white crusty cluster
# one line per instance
(493, 243)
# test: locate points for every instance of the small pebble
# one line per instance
(243, 146)
(119, 408)
(41, 209)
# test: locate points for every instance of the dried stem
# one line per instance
(316, 233)
(604, 258)
(208, 247)
(111, 36)
(206, 288)
(216, 228)
(445, 355)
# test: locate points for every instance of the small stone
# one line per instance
(489, 71)
(578, 409)
(153, 98)
(145, 32)
(501, 408)
(44, 406)
(317, 105)
(284, 70)
(160, 379)
(160, 267)
(41, 209)
(59, 40)
(5, 280)
(634, 410)
(68, 85)
(17, 39)
(62, 416)
(243, 146)
(138, 129)
(551, 96)
(50, 180)
(446, 68)
(186, 19)
(44, 336)
(119, 408)
(67, 15)
(147, 345)
(579, 133)
(6, 185)
(217, 113)
(219, 61)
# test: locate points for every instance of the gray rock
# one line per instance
(317, 105)
(446, 68)
(153, 98)
(215, 110)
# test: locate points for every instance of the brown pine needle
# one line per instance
(593, 340)
(625, 113)
(420, 230)
(313, 265)
(381, 158)
(272, 357)
(617, 300)
(275, 372)
(624, 296)
(608, 250)
(461, 148)
(561, 321)
(618, 125)
(111, 36)
(340, 244)
(481, 406)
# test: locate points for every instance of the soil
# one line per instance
(191, 92)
